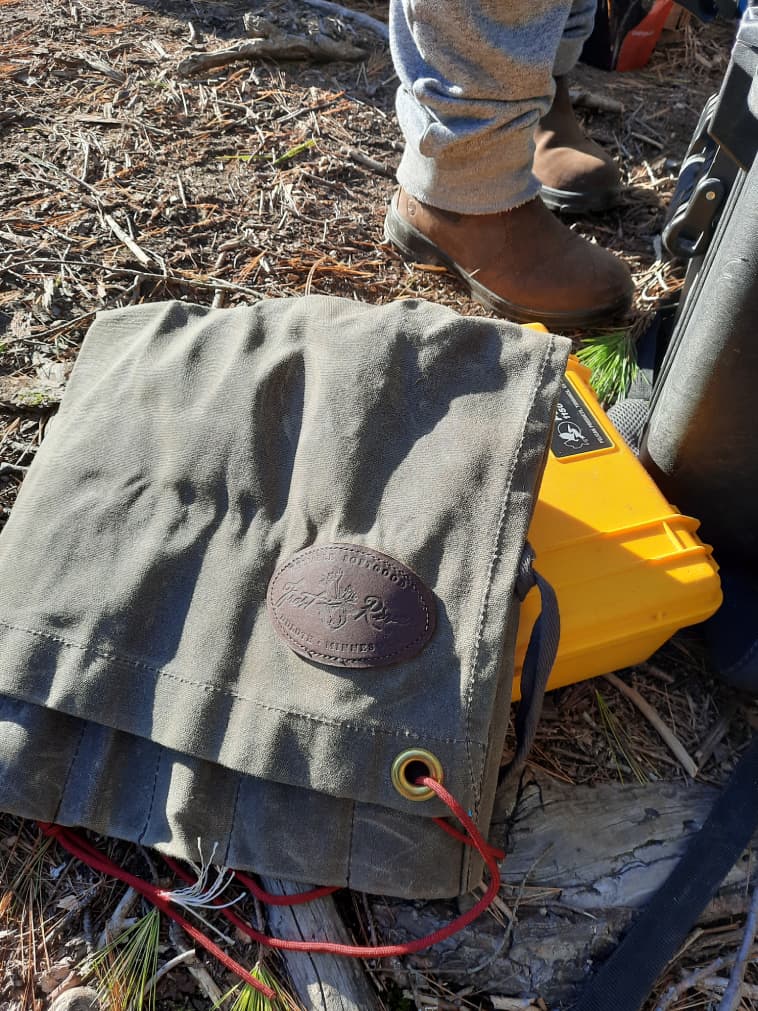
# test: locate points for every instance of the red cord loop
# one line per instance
(80, 848)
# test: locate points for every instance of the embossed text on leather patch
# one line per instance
(350, 606)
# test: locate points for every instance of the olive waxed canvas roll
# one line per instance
(261, 553)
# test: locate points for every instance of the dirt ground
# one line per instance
(123, 181)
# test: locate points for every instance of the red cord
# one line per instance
(298, 899)
(463, 838)
(283, 900)
(81, 849)
(472, 837)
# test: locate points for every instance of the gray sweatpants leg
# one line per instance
(475, 78)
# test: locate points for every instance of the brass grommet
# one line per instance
(402, 766)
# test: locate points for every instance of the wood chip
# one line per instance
(128, 241)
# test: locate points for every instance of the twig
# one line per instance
(127, 240)
(85, 161)
(668, 736)
(119, 918)
(647, 140)
(716, 733)
(677, 990)
(196, 969)
(370, 163)
(159, 49)
(360, 19)
(749, 990)
(42, 163)
(513, 1004)
(87, 934)
(275, 45)
(591, 100)
(656, 672)
(220, 296)
(211, 283)
(65, 327)
(101, 67)
(180, 959)
(732, 995)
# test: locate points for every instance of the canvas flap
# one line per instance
(196, 450)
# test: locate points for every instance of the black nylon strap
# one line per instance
(626, 979)
(536, 669)
(538, 663)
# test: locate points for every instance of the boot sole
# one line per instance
(571, 202)
(413, 245)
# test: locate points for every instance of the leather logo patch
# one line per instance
(350, 606)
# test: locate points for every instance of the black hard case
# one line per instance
(701, 441)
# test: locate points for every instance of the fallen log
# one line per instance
(581, 861)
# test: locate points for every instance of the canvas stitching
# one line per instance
(497, 547)
(233, 819)
(350, 846)
(207, 688)
(141, 836)
(68, 774)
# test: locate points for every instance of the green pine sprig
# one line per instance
(612, 360)
(127, 963)
(247, 998)
(618, 742)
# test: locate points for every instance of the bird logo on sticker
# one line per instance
(571, 434)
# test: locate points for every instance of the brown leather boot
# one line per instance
(576, 174)
(523, 264)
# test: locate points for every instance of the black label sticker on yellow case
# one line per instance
(576, 431)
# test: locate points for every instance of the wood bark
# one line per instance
(581, 861)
